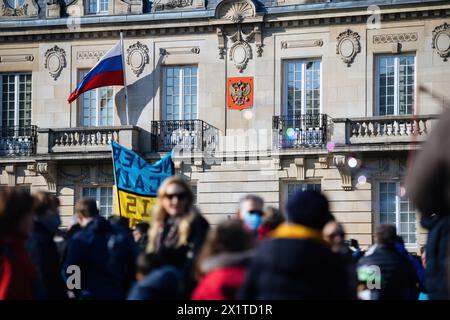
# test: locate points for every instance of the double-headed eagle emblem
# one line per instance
(240, 92)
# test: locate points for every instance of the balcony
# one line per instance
(89, 139)
(305, 131)
(187, 135)
(18, 141)
(404, 129)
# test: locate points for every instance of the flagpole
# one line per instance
(124, 77)
(115, 181)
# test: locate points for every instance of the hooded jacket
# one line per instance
(295, 264)
(224, 275)
(106, 258)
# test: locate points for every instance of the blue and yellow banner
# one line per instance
(137, 182)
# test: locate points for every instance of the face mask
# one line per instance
(252, 220)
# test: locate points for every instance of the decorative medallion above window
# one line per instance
(137, 57)
(348, 46)
(55, 61)
(441, 40)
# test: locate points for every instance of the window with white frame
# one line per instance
(97, 107)
(103, 196)
(180, 93)
(302, 88)
(15, 100)
(98, 6)
(395, 208)
(395, 84)
(293, 187)
(15, 4)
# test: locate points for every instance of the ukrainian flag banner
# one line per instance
(137, 182)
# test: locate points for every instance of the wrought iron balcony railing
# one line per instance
(305, 131)
(18, 141)
(187, 135)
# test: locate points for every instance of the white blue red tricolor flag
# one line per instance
(107, 72)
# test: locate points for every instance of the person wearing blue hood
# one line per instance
(104, 253)
(295, 262)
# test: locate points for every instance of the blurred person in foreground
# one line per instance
(155, 280)
(18, 277)
(178, 230)
(42, 247)
(296, 263)
(223, 261)
(105, 255)
(334, 235)
(251, 213)
(272, 218)
(428, 187)
(140, 235)
(384, 273)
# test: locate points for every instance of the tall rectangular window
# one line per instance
(15, 100)
(103, 196)
(396, 209)
(97, 107)
(395, 84)
(180, 93)
(302, 88)
(98, 6)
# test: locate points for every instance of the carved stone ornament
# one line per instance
(55, 61)
(441, 40)
(137, 57)
(49, 171)
(340, 161)
(26, 8)
(240, 54)
(348, 46)
(236, 11)
(165, 5)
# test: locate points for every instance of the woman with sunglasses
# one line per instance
(178, 230)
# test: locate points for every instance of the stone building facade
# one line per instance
(261, 97)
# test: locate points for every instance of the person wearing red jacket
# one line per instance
(223, 262)
(18, 277)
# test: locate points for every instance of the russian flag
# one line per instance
(107, 72)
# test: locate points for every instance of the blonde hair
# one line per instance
(159, 214)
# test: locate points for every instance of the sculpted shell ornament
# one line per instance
(237, 11)
(441, 40)
(137, 57)
(55, 61)
(348, 46)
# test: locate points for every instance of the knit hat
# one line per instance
(309, 208)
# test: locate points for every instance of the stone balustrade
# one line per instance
(382, 129)
(92, 139)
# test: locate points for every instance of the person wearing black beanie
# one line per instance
(295, 262)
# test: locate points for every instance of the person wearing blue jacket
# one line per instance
(104, 254)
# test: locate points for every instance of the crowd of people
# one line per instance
(259, 253)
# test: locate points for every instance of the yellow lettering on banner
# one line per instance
(136, 208)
